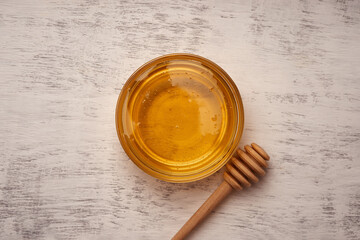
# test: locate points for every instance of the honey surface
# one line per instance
(180, 118)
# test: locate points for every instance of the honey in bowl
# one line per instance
(179, 117)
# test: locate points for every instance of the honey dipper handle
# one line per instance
(220, 193)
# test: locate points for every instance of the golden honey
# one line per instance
(179, 117)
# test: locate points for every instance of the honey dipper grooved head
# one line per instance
(251, 163)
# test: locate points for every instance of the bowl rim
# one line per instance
(235, 94)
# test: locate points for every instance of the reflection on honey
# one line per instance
(180, 118)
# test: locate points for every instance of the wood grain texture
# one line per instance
(64, 175)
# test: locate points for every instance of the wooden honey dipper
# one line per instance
(238, 173)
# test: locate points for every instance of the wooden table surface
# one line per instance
(64, 175)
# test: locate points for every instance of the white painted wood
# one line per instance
(64, 175)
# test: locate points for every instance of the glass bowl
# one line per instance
(179, 117)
